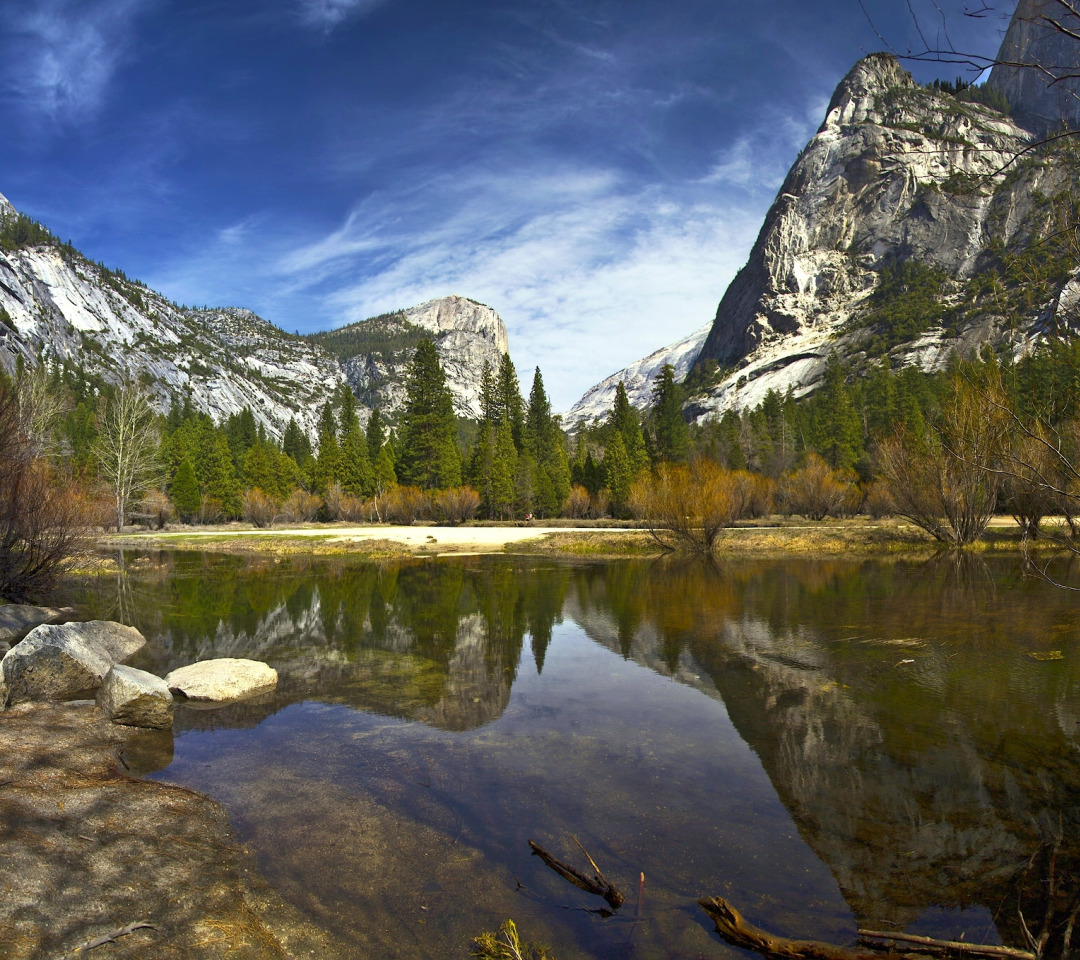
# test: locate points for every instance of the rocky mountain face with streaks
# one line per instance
(60, 307)
(917, 221)
(374, 354)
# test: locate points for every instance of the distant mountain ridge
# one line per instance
(58, 305)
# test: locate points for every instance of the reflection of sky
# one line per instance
(595, 171)
(649, 775)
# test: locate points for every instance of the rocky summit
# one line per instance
(58, 306)
(918, 221)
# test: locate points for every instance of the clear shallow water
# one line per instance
(827, 744)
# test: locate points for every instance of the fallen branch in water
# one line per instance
(738, 932)
(598, 885)
(734, 928)
(85, 948)
(943, 947)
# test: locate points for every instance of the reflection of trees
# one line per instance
(432, 641)
(924, 757)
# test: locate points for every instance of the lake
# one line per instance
(891, 745)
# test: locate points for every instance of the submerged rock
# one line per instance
(136, 698)
(219, 681)
(53, 663)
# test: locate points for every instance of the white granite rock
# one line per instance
(53, 663)
(222, 680)
(135, 698)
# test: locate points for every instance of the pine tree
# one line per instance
(185, 491)
(671, 436)
(429, 452)
(328, 462)
(376, 435)
(357, 475)
(508, 400)
(295, 443)
(504, 471)
(347, 419)
(624, 420)
(835, 427)
(618, 472)
(216, 474)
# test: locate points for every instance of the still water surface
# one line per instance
(828, 744)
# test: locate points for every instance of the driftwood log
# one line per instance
(598, 884)
(83, 949)
(735, 929)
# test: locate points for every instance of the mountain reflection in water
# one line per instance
(919, 750)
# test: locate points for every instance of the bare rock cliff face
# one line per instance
(66, 310)
(1039, 66)
(860, 187)
(892, 175)
(466, 335)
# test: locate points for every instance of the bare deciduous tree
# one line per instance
(43, 517)
(127, 448)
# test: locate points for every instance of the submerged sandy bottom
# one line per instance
(89, 849)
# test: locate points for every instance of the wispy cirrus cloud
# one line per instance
(589, 271)
(327, 14)
(61, 55)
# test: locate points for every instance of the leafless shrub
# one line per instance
(577, 504)
(156, 509)
(758, 493)
(211, 509)
(44, 516)
(300, 506)
(260, 508)
(456, 505)
(600, 505)
(817, 491)
(688, 506)
(877, 501)
(945, 479)
(405, 505)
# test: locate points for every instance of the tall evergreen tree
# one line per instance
(328, 462)
(295, 443)
(670, 434)
(429, 452)
(185, 491)
(504, 471)
(508, 400)
(624, 421)
(357, 475)
(375, 434)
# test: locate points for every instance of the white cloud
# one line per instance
(327, 14)
(62, 55)
(589, 273)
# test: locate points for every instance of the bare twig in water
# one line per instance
(85, 948)
(598, 884)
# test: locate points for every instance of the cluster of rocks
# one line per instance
(52, 661)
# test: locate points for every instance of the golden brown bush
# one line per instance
(260, 508)
(405, 505)
(156, 509)
(688, 506)
(577, 505)
(456, 505)
(817, 491)
(300, 506)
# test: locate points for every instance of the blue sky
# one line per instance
(595, 170)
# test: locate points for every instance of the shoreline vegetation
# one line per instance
(767, 538)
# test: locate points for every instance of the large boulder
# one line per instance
(18, 619)
(120, 642)
(53, 663)
(136, 698)
(222, 680)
